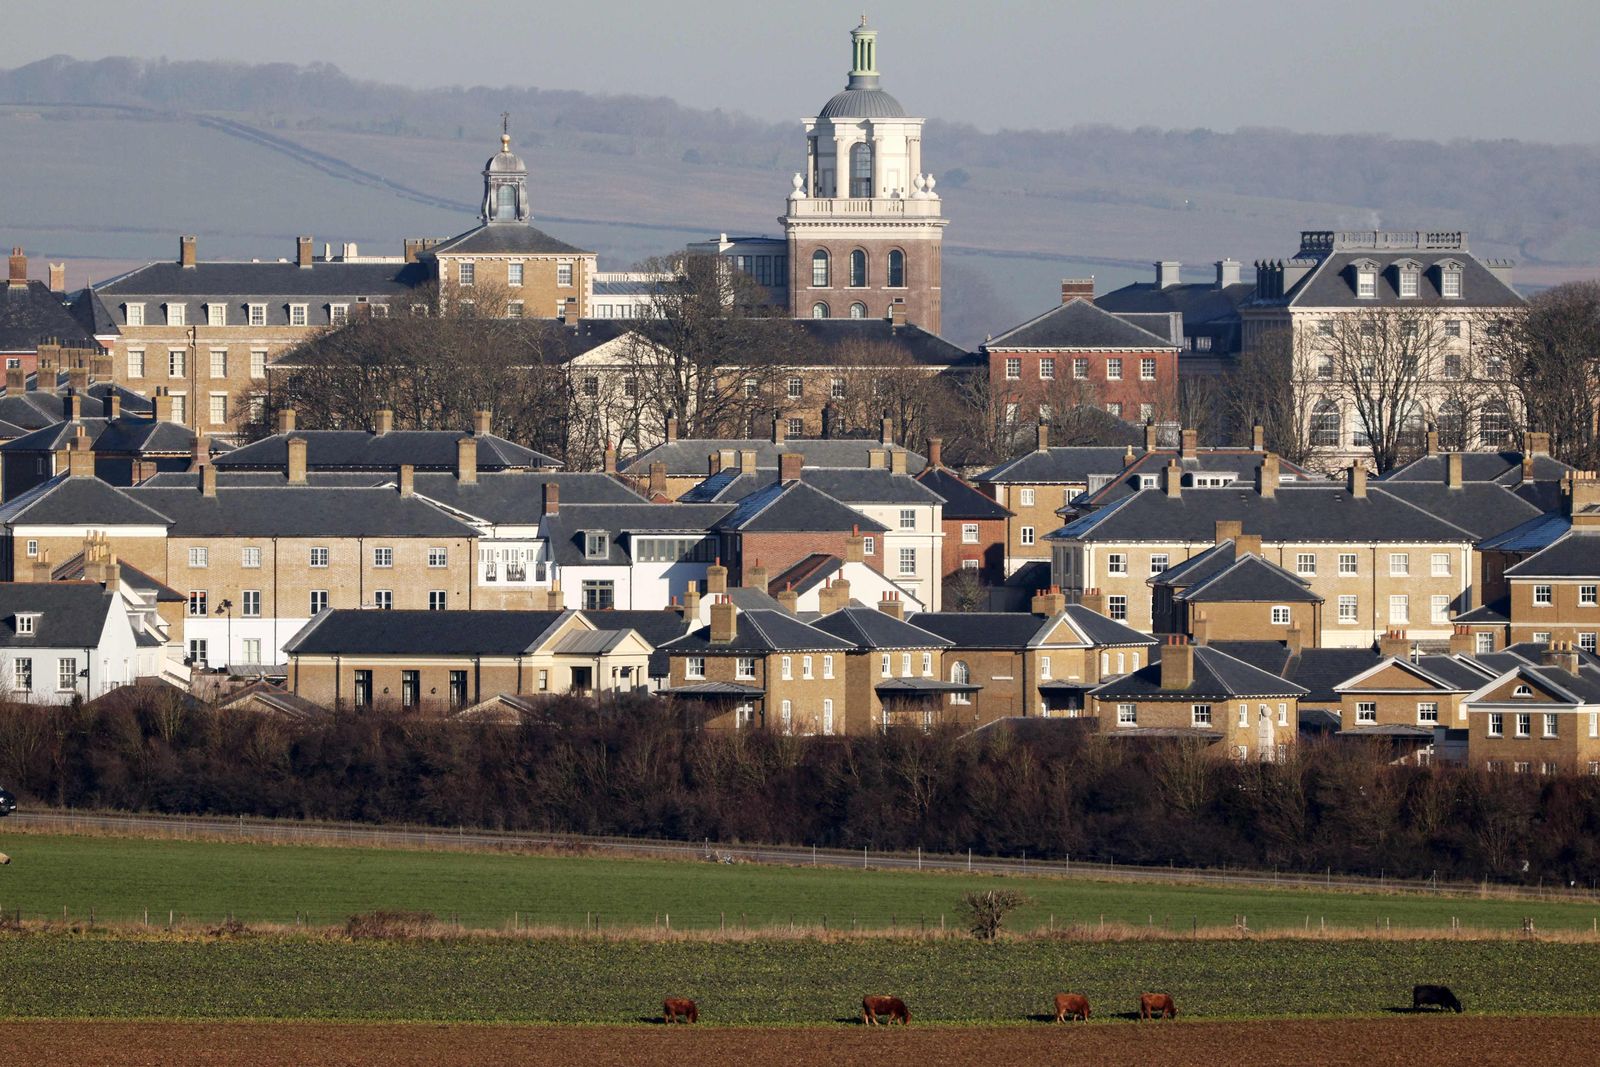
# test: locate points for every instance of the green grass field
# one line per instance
(120, 878)
(766, 980)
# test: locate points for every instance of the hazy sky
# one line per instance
(1425, 68)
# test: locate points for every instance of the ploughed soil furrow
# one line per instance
(1401, 1039)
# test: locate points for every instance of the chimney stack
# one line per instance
(1077, 289)
(658, 479)
(1526, 473)
(1267, 476)
(713, 463)
(552, 498)
(16, 381)
(610, 458)
(1247, 544)
(886, 432)
(1535, 444)
(297, 461)
(1461, 641)
(747, 460)
(1452, 470)
(835, 596)
(789, 600)
(755, 577)
(161, 404)
(1172, 480)
(828, 417)
(382, 421)
(1043, 442)
(467, 460)
(723, 616)
(1227, 529)
(1094, 600)
(1048, 602)
(1167, 272)
(691, 602)
(483, 422)
(200, 452)
(1433, 441)
(1258, 438)
(855, 546)
(778, 428)
(717, 578)
(1150, 441)
(1295, 641)
(1199, 627)
(877, 459)
(935, 451)
(408, 479)
(113, 404)
(897, 314)
(283, 421)
(302, 251)
(1177, 663)
(672, 427)
(892, 605)
(1227, 273)
(897, 461)
(186, 251)
(19, 269)
(58, 277)
(1357, 480)
(1562, 654)
(80, 458)
(789, 466)
(73, 406)
(208, 480)
(1189, 444)
(1394, 643)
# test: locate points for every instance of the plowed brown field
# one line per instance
(1438, 1041)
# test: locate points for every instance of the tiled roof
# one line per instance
(1484, 509)
(32, 315)
(71, 614)
(981, 629)
(1077, 325)
(851, 486)
(144, 436)
(343, 631)
(565, 531)
(688, 457)
(1061, 466)
(868, 342)
(961, 500)
(1249, 578)
(795, 506)
(1216, 674)
(496, 238)
(760, 631)
(1332, 283)
(1576, 555)
(297, 511)
(66, 501)
(517, 497)
(1242, 463)
(1503, 467)
(870, 628)
(426, 450)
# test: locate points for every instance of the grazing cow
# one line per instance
(1434, 996)
(1157, 1005)
(1073, 1004)
(4, 859)
(893, 1007)
(674, 1008)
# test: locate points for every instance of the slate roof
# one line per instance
(873, 342)
(344, 631)
(1298, 512)
(1250, 579)
(1017, 629)
(851, 486)
(1482, 508)
(517, 497)
(1462, 673)
(143, 436)
(36, 409)
(1318, 670)
(187, 479)
(32, 315)
(1243, 463)
(1580, 688)
(1577, 555)
(1498, 611)
(565, 530)
(760, 631)
(144, 693)
(1503, 467)
(72, 570)
(1068, 466)
(91, 312)
(275, 698)
(274, 283)
(67, 501)
(296, 511)
(806, 573)
(1202, 304)
(688, 457)
(71, 614)
(498, 238)
(869, 628)
(1216, 674)
(656, 627)
(1103, 631)
(961, 500)
(1332, 282)
(794, 507)
(1541, 531)
(1079, 325)
(426, 450)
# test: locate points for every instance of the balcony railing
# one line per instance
(865, 206)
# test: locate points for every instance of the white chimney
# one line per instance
(1167, 273)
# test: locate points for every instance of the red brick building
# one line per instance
(974, 525)
(1077, 354)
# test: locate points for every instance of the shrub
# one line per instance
(987, 911)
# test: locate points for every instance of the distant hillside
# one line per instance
(110, 159)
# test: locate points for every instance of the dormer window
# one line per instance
(27, 623)
(595, 544)
(175, 314)
(216, 314)
(1366, 279)
(1522, 691)
(134, 314)
(1408, 271)
(1450, 279)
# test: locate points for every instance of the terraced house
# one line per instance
(1539, 718)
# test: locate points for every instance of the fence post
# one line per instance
(863, 857)
(919, 857)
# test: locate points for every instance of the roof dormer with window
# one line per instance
(27, 623)
(1366, 278)
(1408, 274)
(1449, 278)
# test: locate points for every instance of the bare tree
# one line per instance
(1549, 360)
(1262, 391)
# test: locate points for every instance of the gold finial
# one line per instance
(505, 131)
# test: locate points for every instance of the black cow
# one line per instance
(1434, 996)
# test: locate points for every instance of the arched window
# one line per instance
(1494, 425)
(858, 268)
(819, 310)
(819, 269)
(507, 206)
(1325, 425)
(1453, 426)
(861, 169)
(858, 311)
(960, 675)
(897, 269)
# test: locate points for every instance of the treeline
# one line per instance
(631, 767)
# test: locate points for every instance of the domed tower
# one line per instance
(863, 224)
(505, 185)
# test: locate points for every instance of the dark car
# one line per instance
(8, 803)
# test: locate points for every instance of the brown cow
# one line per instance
(893, 1007)
(674, 1007)
(1157, 1005)
(1073, 1004)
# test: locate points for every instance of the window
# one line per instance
(788, 668)
(1440, 564)
(32, 547)
(1013, 368)
(26, 624)
(1450, 284)
(858, 268)
(250, 557)
(819, 272)
(198, 603)
(1366, 712)
(1347, 610)
(513, 273)
(1347, 564)
(1428, 713)
(1524, 724)
(383, 599)
(1114, 369)
(819, 310)
(897, 269)
(22, 674)
(1159, 561)
(338, 314)
(827, 666)
(175, 315)
(258, 364)
(908, 561)
(744, 667)
(1200, 714)
(591, 385)
(1305, 564)
(217, 408)
(1127, 715)
(1117, 605)
(694, 667)
(1543, 596)
(1080, 368)
(908, 518)
(1588, 595)
(438, 556)
(599, 595)
(1399, 564)
(1497, 724)
(970, 565)
(136, 363)
(1280, 615)
(198, 556)
(466, 272)
(564, 274)
(250, 603)
(297, 314)
(1408, 284)
(869, 545)
(363, 689)
(219, 362)
(969, 533)
(1589, 641)
(438, 599)
(1399, 608)
(383, 557)
(180, 408)
(1438, 609)
(1117, 563)
(1147, 369)
(1147, 412)
(596, 545)
(1047, 368)
(1483, 642)
(177, 363)
(1550, 725)
(514, 309)
(134, 313)
(319, 557)
(1540, 638)
(1494, 422)
(1326, 425)
(67, 673)
(805, 667)
(786, 715)
(1366, 283)
(319, 601)
(1025, 534)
